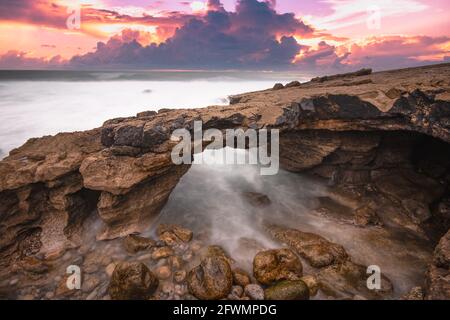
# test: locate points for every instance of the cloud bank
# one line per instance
(253, 36)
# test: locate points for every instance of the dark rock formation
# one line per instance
(132, 281)
(384, 134)
(275, 265)
(288, 290)
(134, 243)
(318, 251)
(212, 279)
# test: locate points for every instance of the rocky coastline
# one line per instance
(381, 141)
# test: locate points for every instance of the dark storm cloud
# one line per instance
(254, 36)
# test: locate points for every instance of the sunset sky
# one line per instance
(321, 35)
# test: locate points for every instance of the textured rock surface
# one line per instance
(275, 265)
(318, 251)
(361, 129)
(132, 281)
(288, 290)
(212, 279)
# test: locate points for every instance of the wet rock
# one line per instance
(254, 292)
(176, 262)
(163, 272)
(144, 257)
(275, 265)
(110, 268)
(278, 86)
(441, 256)
(196, 245)
(344, 280)
(312, 283)
(414, 191)
(179, 276)
(438, 273)
(365, 216)
(256, 199)
(237, 291)
(180, 289)
(211, 280)
(89, 284)
(134, 243)
(33, 265)
(168, 288)
(132, 281)
(287, 290)
(62, 290)
(173, 234)
(250, 245)
(318, 251)
(437, 283)
(300, 150)
(218, 251)
(415, 293)
(162, 252)
(241, 278)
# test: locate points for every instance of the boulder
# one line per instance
(134, 243)
(347, 279)
(275, 265)
(173, 234)
(293, 84)
(318, 251)
(211, 280)
(415, 293)
(278, 86)
(132, 281)
(312, 283)
(256, 199)
(442, 252)
(162, 252)
(288, 290)
(437, 284)
(254, 292)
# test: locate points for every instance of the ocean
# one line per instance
(38, 103)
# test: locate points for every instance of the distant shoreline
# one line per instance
(147, 75)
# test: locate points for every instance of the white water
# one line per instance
(36, 108)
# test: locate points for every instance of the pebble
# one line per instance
(163, 272)
(180, 289)
(162, 252)
(176, 262)
(254, 292)
(49, 295)
(196, 245)
(179, 276)
(168, 288)
(237, 291)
